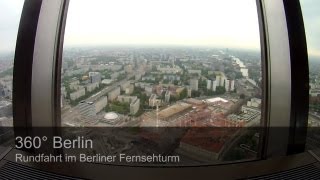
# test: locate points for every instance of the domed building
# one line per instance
(111, 118)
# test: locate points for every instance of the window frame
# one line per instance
(40, 44)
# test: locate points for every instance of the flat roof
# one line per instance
(217, 99)
(177, 108)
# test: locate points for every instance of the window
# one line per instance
(10, 12)
(172, 77)
(311, 15)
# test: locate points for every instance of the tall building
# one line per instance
(218, 79)
(214, 85)
(231, 85)
(135, 106)
(194, 83)
(95, 77)
(167, 97)
(221, 78)
(227, 85)
(101, 103)
(209, 84)
(112, 95)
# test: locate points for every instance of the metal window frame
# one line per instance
(37, 67)
(38, 59)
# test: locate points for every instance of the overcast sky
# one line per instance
(217, 23)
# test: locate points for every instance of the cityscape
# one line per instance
(160, 87)
(199, 103)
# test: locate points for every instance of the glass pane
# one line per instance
(311, 17)
(164, 77)
(10, 12)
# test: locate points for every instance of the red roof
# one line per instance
(211, 139)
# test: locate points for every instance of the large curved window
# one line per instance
(10, 12)
(165, 77)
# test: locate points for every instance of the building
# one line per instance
(62, 101)
(115, 75)
(95, 77)
(134, 106)
(76, 72)
(254, 102)
(314, 92)
(113, 94)
(214, 85)
(171, 77)
(167, 97)
(129, 89)
(244, 72)
(209, 84)
(76, 95)
(63, 91)
(192, 71)
(227, 85)
(189, 92)
(126, 99)
(148, 90)
(107, 81)
(91, 87)
(148, 78)
(231, 85)
(250, 114)
(86, 109)
(137, 77)
(5, 109)
(128, 68)
(172, 111)
(100, 104)
(5, 90)
(111, 118)
(124, 85)
(153, 101)
(169, 70)
(194, 83)
(74, 84)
